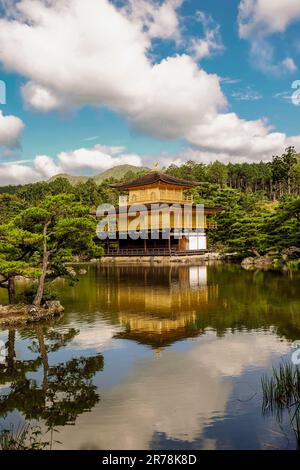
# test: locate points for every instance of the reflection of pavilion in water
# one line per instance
(160, 305)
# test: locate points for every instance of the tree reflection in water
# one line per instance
(66, 390)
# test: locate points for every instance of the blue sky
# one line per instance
(166, 81)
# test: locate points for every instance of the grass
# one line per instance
(281, 392)
(23, 437)
(293, 265)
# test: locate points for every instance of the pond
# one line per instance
(162, 357)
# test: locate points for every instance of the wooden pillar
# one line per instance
(169, 244)
(145, 245)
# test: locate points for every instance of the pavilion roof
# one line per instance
(155, 177)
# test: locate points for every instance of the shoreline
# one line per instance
(262, 263)
(22, 314)
(165, 260)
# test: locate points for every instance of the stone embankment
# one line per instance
(14, 315)
(187, 259)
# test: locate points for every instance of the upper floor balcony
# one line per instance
(153, 197)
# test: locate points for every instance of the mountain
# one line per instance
(116, 172)
(71, 178)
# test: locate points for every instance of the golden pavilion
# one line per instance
(157, 218)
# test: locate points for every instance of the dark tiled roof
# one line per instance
(154, 177)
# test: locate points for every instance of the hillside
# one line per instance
(116, 172)
(73, 179)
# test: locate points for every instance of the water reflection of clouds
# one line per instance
(235, 352)
(99, 336)
(175, 394)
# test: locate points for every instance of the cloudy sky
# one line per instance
(96, 83)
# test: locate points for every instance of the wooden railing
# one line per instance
(158, 198)
(208, 226)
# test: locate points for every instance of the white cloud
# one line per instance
(259, 19)
(266, 16)
(263, 57)
(10, 131)
(158, 20)
(46, 166)
(79, 161)
(81, 57)
(229, 80)
(228, 136)
(17, 174)
(294, 141)
(92, 137)
(246, 94)
(40, 98)
(173, 106)
(211, 42)
(94, 159)
(284, 95)
(17, 162)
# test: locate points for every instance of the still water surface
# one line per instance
(156, 358)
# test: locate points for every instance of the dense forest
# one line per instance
(273, 179)
(48, 223)
(261, 204)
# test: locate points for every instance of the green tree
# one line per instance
(282, 167)
(65, 228)
(10, 206)
(217, 173)
(282, 228)
(18, 256)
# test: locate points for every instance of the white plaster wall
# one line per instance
(197, 242)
